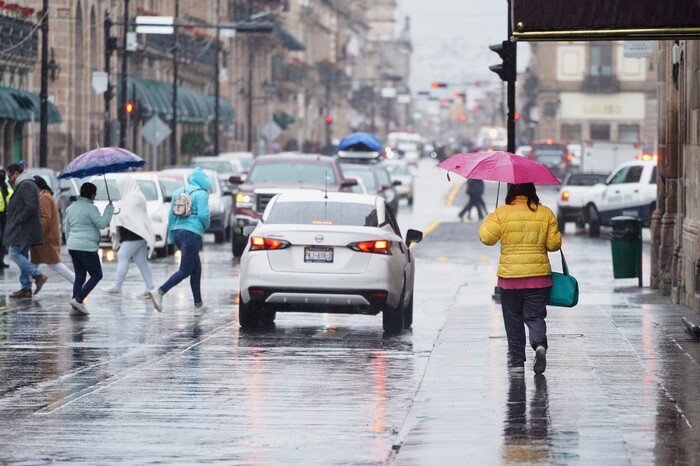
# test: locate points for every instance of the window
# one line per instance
(293, 172)
(600, 132)
(628, 133)
(630, 174)
(571, 132)
(323, 213)
(653, 176)
(601, 60)
(391, 220)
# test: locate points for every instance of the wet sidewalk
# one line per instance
(622, 384)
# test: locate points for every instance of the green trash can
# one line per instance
(626, 242)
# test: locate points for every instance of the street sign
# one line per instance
(155, 131)
(270, 131)
(388, 92)
(638, 49)
(154, 25)
(100, 81)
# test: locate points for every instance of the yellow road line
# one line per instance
(453, 194)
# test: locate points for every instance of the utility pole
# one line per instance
(109, 48)
(173, 122)
(44, 95)
(249, 109)
(125, 72)
(511, 85)
(217, 87)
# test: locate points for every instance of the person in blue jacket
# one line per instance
(186, 232)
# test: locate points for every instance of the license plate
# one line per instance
(318, 254)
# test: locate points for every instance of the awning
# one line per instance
(156, 98)
(19, 105)
(288, 40)
(283, 119)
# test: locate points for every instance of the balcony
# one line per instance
(607, 84)
(13, 34)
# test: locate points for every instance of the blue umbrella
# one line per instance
(361, 142)
(100, 161)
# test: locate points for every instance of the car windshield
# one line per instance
(549, 153)
(170, 185)
(323, 213)
(586, 180)
(293, 172)
(362, 172)
(382, 175)
(398, 169)
(217, 166)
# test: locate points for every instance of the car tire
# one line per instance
(408, 315)
(267, 317)
(392, 318)
(161, 252)
(238, 244)
(410, 200)
(219, 236)
(248, 314)
(562, 225)
(593, 222)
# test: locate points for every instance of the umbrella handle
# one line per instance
(116, 211)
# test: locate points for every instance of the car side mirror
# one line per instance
(413, 236)
(349, 183)
(235, 179)
(248, 229)
(396, 183)
(385, 186)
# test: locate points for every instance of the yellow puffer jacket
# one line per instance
(525, 237)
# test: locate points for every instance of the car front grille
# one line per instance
(262, 200)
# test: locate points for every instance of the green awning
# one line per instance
(288, 40)
(156, 98)
(19, 105)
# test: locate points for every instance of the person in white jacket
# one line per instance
(132, 234)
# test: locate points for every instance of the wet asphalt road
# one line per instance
(129, 385)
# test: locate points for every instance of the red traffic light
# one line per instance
(130, 107)
(329, 118)
(436, 85)
(516, 117)
(462, 117)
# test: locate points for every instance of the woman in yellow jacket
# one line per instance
(527, 230)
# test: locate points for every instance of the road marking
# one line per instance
(453, 194)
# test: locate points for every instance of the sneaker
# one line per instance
(156, 299)
(39, 280)
(200, 310)
(79, 308)
(540, 360)
(145, 295)
(21, 294)
(113, 290)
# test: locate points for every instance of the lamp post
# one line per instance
(217, 87)
(44, 95)
(173, 122)
(125, 72)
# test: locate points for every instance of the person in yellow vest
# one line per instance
(5, 195)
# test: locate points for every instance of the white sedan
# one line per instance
(330, 253)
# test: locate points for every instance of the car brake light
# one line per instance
(569, 157)
(260, 243)
(375, 247)
(565, 195)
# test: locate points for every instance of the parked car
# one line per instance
(327, 252)
(630, 190)
(272, 174)
(401, 171)
(554, 155)
(221, 203)
(244, 158)
(572, 197)
(158, 208)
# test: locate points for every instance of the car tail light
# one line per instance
(379, 246)
(569, 157)
(260, 243)
(565, 196)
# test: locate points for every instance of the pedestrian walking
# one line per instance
(475, 191)
(49, 253)
(132, 234)
(23, 229)
(527, 230)
(188, 220)
(82, 230)
(5, 194)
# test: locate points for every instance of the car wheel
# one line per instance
(162, 252)
(248, 314)
(593, 222)
(408, 314)
(562, 224)
(219, 237)
(267, 317)
(392, 318)
(410, 200)
(238, 244)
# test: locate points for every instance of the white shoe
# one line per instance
(79, 308)
(145, 295)
(540, 360)
(199, 311)
(113, 290)
(156, 299)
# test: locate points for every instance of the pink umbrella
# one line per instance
(498, 166)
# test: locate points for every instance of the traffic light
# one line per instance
(506, 70)
(329, 118)
(462, 117)
(130, 108)
(436, 85)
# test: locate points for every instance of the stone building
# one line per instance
(675, 256)
(589, 91)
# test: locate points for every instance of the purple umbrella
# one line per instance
(101, 161)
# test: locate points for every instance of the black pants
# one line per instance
(475, 200)
(85, 262)
(520, 308)
(3, 220)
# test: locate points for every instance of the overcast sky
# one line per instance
(451, 38)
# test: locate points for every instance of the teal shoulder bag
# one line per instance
(564, 291)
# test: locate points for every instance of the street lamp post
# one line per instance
(173, 122)
(217, 87)
(44, 96)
